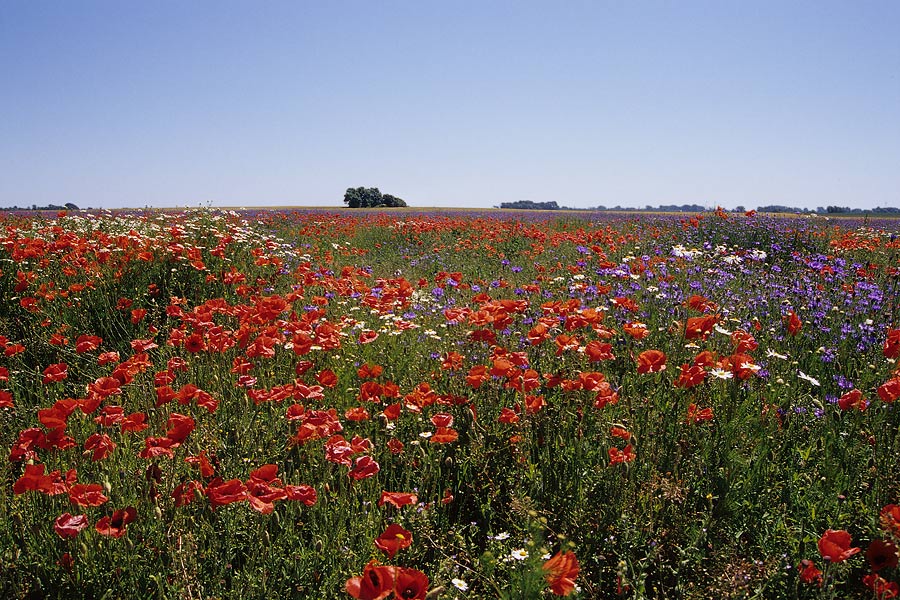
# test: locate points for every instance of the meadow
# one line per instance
(353, 404)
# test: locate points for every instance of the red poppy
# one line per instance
(881, 554)
(851, 399)
(392, 411)
(115, 525)
(6, 399)
(184, 493)
(357, 413)
(444, 435)
(395, 446)
(369, 371)
(86, 343)
(834, 545)
(690, 376)
(619, 432)
(222, 493)
(87, 494)
(508, 415)
(302, 493)
(364, 467)
(14, 349)
(397, 499)
(793, 323)
(881, 588)
(367, 337)
(597, 351)
(705, 359)
(651, 361)
(625, 455)
(134, 422)
(157, 446)
(101, 444)
(697, 415)
(890, 391)
(410, 584)
(32, 480)
(68, 526)
(699, 327)
(376, 583)
(55, 372)
(809, 573)
(743, 342)
(890, 519)
(561, 571)
(636, 330)
(327, 378)
(892, 344)
(107, 358)
(393, 539)
(626, 303)
(202, 461)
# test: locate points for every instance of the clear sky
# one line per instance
(182, 103)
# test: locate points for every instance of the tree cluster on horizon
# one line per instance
(362, 197)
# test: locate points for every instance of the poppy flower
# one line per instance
(357, 413)
(617, 456)
(68, 526)
(115, 525)
(33, 480)
(364, 467)
(793, 323)
(690, 376)
(222, 493)
(508, 415)
(891, 347)
(376, 583)
(6, 399)
(881, 554)
(327, 378)
(834, 545)
(890, 391)
(697, 415)
(87, 494)
(890, 519)
(101, 445)
(561, 571)
(699, 327)
(134, 422)
(86, 343)
(393, 539)
(809, 573)
(301, 493)
(444, 435)
(185, 493)
(881, 588)
(636, 330)
(851, 399)
(651, 361)
(597, 351)
(620, 432)
(397, 499)
(55, 372)
(410, 584)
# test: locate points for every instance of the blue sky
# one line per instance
(165, 103)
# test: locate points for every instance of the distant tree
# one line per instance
(362, 197)
(393, 201)
(531, 205)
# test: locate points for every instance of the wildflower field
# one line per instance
(264, 404)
